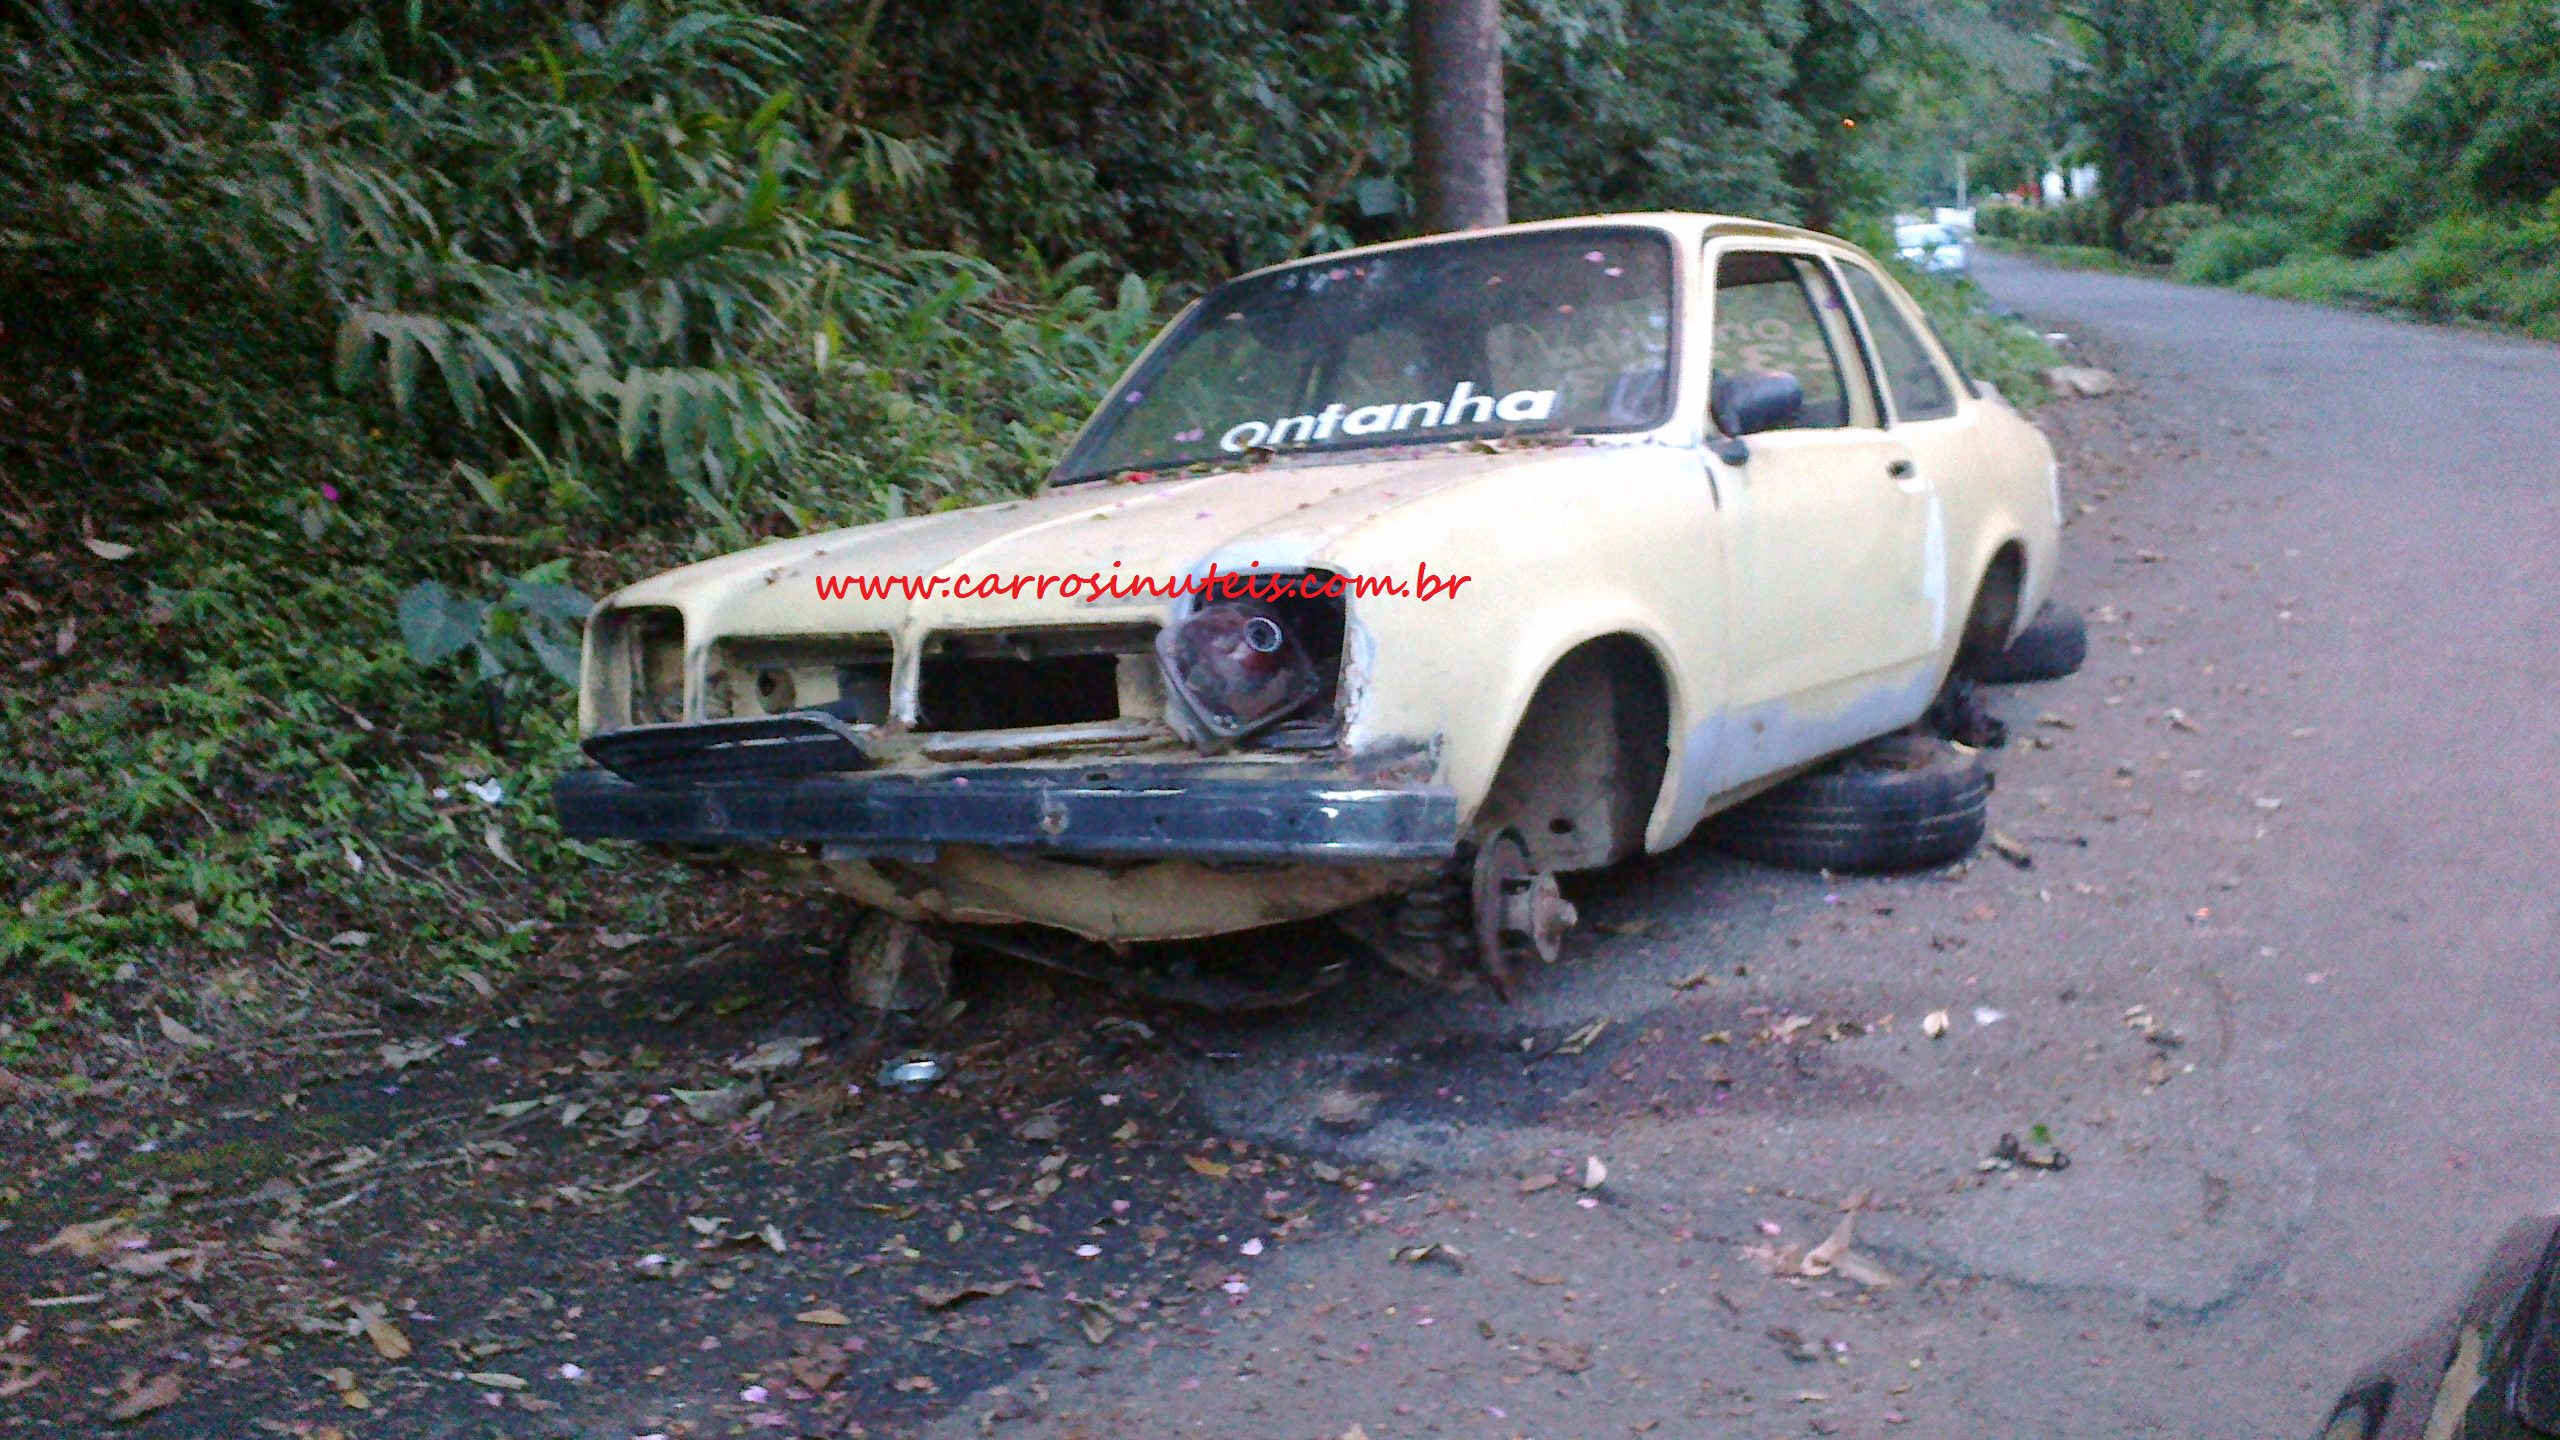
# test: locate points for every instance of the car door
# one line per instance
(1827, 524)
(1922, 393)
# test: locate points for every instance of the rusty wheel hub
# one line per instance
(1520, 913)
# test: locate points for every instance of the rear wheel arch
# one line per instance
(1993, 613)
(1585, 763)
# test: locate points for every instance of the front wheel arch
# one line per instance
(1584, 767)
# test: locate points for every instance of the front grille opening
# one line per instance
(1021, 680)
(845, 676)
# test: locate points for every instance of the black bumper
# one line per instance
(1123, 811)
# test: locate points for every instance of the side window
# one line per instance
(1780, 312)
(1920, 389)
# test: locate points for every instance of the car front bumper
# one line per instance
(1115, 811)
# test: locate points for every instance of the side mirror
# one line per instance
(1747, 402)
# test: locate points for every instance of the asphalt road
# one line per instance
(2298, 809)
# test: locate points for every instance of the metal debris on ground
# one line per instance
(2011, 1154)
(913, 1072)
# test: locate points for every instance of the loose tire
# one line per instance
(1904, 803)
(2054, 644)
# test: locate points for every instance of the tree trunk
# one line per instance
(1461, 173)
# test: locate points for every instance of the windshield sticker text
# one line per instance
(1465, 406)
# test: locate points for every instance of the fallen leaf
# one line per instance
(1203, 1165)
(943, 1297)
(1449, 1255)
(388, 1341)
(774, 1055)
(108, 549)
(1570, 1356)
(1820, 1259)
(1581, 1040)
(350, 1393)
(1532, 1184)
(817, 1371)
(713, 1107)
(828, 1316)
(89, 1239)
(401, 1054)
(137, 1398)
(497, 844)
(177, 1033)
(1855, 1266)
(496, 1379)
(149, 1262)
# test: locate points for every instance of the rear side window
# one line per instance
(1920, 389)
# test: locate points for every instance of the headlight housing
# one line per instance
(1236, 666)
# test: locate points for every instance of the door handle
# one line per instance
(1901, 470)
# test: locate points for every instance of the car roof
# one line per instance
(1681, 224)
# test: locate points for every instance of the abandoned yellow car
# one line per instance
(1387, 585)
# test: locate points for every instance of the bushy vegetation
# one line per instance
(346, 356)
(2219, 254)
(2073, 222)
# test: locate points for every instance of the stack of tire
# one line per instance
(1910, 801)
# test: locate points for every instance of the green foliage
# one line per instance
(2220, 254)
(2073, 222)
(2155, 236)
(1620, 105)
(2185, 99)
(530, 632)
(2491, 115)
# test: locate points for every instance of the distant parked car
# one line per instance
(2488, 1369)
(1932, 248)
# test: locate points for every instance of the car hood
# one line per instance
(1285, 516)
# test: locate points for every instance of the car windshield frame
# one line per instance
(1079, 465)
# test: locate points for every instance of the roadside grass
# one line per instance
(1991, 345)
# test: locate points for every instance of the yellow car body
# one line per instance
(1654, 624)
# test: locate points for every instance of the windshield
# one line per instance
(1549, 332)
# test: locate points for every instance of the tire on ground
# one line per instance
(1903, 803)
(2053, 645)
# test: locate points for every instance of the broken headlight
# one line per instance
(1236, 667)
